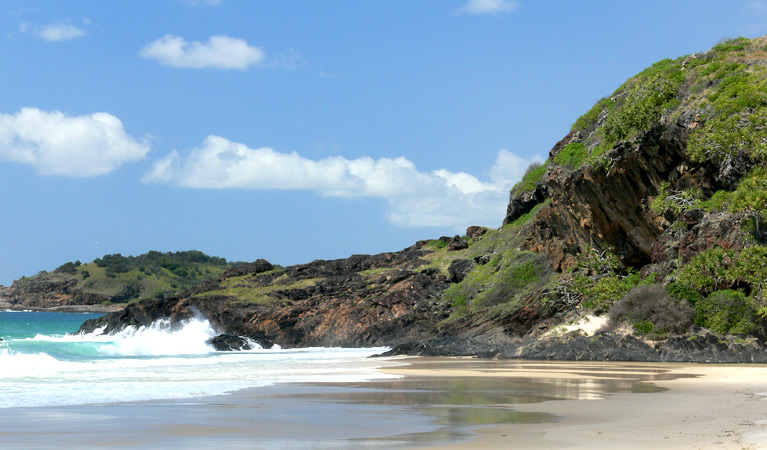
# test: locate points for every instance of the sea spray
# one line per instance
(41, 368)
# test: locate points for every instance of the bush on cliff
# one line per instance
(532, 177)
(572, 155)
(719, 268)
(728, 311)
(651, 311)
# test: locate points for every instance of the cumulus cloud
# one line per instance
(488, 6)
(74, 146)
(222, 52)
(60, 32)
(415, 198)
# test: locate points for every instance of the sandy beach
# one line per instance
(449, 403)
(705, 406)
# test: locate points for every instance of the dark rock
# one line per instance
(323, 303)
(255, 267)
(572, 136)
(483, 259)
(524, 203)
(228, 343)
(459, 269)
(456, 243)
(475, 231)
(597, 208)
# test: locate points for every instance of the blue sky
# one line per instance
(299, 130)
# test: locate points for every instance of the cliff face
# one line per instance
(662, 183)
(360, 301)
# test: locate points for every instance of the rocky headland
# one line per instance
(647, 216)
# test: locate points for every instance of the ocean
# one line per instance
(43, 364)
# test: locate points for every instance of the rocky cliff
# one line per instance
(649, 211)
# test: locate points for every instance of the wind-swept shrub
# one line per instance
(650, 310)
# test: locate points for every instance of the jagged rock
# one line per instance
(323, 303)
(229, 342)
(591, 208)
(525, 202)
(455, 243)
(701, 232)
(459, 269)
(483, 259)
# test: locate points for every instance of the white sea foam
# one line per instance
(161, 362)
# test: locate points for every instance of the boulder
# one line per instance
(459, 269)
(475, 231)
(229, 342)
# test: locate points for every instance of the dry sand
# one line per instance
(709, 406)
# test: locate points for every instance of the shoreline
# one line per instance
(439, 402)
(702, 406)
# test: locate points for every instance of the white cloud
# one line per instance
(222, 52)
(415, 198)
(289, 59)
(488, 6)
(74, 146)
(61, 32)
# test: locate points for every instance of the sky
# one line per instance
(302, 129)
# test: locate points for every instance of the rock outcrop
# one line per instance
(359, 301)
(580, 232)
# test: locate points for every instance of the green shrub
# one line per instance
(650, 94)
(676, 201)
(738, 123)
(589, 120)
(718, 268)
(727, 311)
(681, 291)
(751, 195)
(717, 202)
(705, 272)
(572, 155)
(731, 45)
(68, 268)
(605, 291)
(532, 178)
(750, 266)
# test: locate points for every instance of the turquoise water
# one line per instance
(19, 329)
(42, 365)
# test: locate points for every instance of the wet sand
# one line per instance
(705, 406)
(437, 402)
